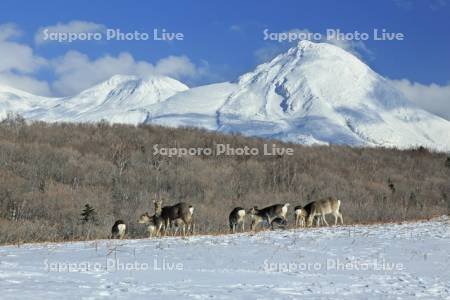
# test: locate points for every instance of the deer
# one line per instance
(179, 223)
(300, 216)
(118, 230)
(180, 214)
(155, 222)
(236, 218)
(278, 222)
(321, 208)
(268, 214)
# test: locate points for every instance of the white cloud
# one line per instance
(433, 97)
(71, 27)
(15, 56)
(25, 83)
(76, 71)
(9, 30)
(177, 67)
(19, 62)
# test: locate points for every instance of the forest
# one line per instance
(52, 174)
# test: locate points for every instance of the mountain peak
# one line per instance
(315, 93)
(306, 44)
(119, 78)
(149, 80)
(321, 93)
(121, 98)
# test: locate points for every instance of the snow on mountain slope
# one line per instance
(386, 261)
(121, 99)
(312, 94)
(196, 107)
(319, 92)
(17, 101)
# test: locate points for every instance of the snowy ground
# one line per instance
(392, 261)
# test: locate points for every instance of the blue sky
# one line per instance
(222, 39)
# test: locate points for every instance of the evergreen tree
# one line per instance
(88, 215)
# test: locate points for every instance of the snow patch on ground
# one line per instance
(389, 261)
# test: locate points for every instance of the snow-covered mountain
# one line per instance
(17, 101)
(320, 93)
(312, 94)
(121, 99)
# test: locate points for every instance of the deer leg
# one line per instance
(340, 217)
(335, 218)
(243, 226)
(176, 228)
(166, 226)
(150, 232)
(325, 220)
(269, 222)
(160, 229)
(190, 228)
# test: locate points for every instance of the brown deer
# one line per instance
(236, 218)
(180, 214)
(155, 222)
(300, 216)
(321, 208)
(268, 214)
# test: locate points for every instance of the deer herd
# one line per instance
(181, 215)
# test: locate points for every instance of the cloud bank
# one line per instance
(433, 97)
(75, 71)
(19, 63)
